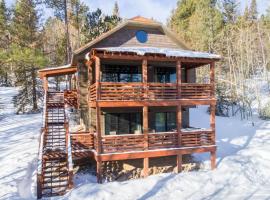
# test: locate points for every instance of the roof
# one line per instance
(135, 21)
(57, 71)
(168, 52)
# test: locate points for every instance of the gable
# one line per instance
(126, 37)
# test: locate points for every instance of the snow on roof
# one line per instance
(166, 51)
(59, 67)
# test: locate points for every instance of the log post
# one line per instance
(178, 163)
(45, 83)
(145, 167)
(212, 78)
(178, 78)
(145, 78)
(99, 170)
(97, 65)
(213, 159)
(145, 133)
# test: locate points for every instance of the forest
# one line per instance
(28, 43)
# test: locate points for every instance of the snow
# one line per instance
(166, 51)
(19, 136)
(243, 163)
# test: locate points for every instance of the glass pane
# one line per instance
(171, 121)
(160, 122)
(136, 123)
(111, 124)
(123, 123)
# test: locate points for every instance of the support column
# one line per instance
(145, 133)
(178, 78)
(212, 78)
(45, 83)
(213, 159)
(97, 61)
(145, 78)
(99, 171)
(178, 163)
(179, 126)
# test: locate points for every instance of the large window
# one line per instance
(165, 121)
(123, 123)
(165, 74)
(115, 73)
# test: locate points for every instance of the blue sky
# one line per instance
(158, 9)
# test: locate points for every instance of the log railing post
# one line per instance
(178, 78)
(145, 79)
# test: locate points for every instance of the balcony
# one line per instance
(115, 91)
(152, 141)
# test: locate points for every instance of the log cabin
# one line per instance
(133, 87)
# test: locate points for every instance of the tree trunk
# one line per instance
(68, 47)
(34, 90)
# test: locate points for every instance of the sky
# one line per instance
(160, 10)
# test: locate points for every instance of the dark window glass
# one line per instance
(112, 73)
(165, 75)
(165, 121)
(123, 123)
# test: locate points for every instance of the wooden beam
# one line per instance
(213, 159)
(183, 102)
(178, 163)
(145, 126)
(179, 123)
(155, 153)
(97, 62)
(145, 167)
(56, 72)
(212, 78)
(158, 58)
(144, 78)
(178, 78)
(99, 171)
(45, 84)
(98, 130)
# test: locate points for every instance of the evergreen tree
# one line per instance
(198, 22)
(116, 10)
(253, 12)
(26, 54)
(97, 23)
(4, 44)
(230, 10)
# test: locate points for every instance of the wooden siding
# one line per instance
(126, 37)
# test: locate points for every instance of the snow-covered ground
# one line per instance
(243, 164)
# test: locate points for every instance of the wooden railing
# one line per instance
(133, 142)
(121, 143)
(197, 138)
(150, 91)
(162, 140)
(82, 141)
(70, 97)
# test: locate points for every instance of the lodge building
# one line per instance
(133, 87)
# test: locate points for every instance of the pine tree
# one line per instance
(116, 10)
(26, 54)
(230, 10)
(253, 12)
(97, 23)
(4, 44)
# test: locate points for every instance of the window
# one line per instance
(165, 121)
(113, 73)
(123, 123)
(165, 75)
(141, 36)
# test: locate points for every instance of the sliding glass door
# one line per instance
(165, 121)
